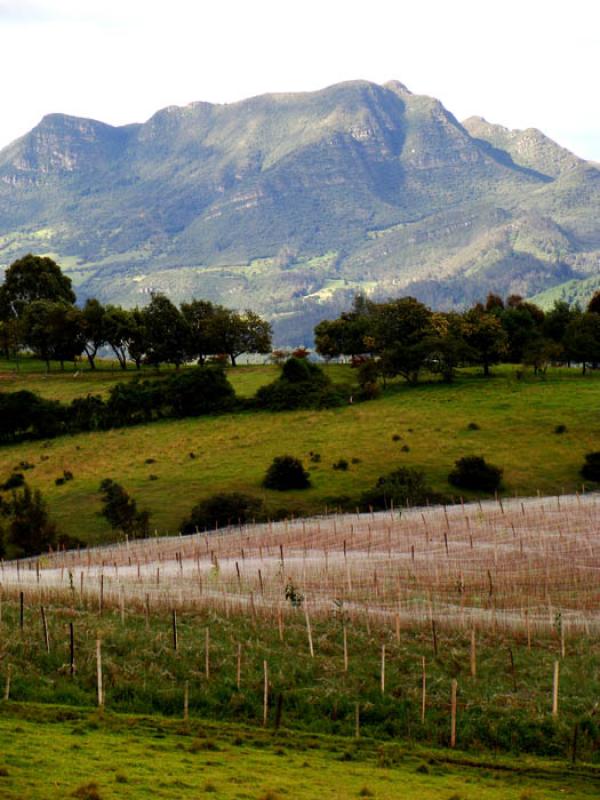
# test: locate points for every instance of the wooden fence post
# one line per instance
(453, 713)
(71, 649)
(265, 694)
(239, 666)
(345, 634)
(207, 654)
(423, 691)
(357, 720)
(45, 629)
(100, 689)
(555, 690)
(473, 654)
(186, 701)
(7, 685)
(382, 669)
(309, 631)
(175, 639)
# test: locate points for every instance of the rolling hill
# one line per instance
(291, 203)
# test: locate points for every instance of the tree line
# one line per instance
(38, 312)
(404, 337)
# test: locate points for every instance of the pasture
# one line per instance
(168, 466)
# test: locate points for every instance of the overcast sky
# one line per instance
(522, 63)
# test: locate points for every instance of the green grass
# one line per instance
(517, 419)
(47, 754)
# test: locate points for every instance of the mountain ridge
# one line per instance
(292, 202)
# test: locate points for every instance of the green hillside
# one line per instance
(516, 419)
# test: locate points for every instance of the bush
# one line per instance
(220, 510)
(286, 472)
(401, 487)
(591, 469)
(560, 429)
(301, 384)
(473, 472)
(202, 390)
(342, 465)
(120, 510)
(30, 530)
(14, 481)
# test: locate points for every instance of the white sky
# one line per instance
(521, 63)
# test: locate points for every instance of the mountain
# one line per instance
(290, 203)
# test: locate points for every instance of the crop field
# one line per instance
(169, 466)
(473, 626)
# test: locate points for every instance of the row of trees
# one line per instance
(403, 337)
(38, 311)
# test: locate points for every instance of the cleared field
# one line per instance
(516, 418)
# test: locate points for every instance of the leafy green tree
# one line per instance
(522, 323)
(120, 510)
(94, 326)
(33, 278)
(594, 304)
(167, 332)
(235, 333)
(582, 340)
(118, 325)
(349, 334)
(199, 315)
(401, 329)
(484, 334)
(446, 347)
(30, 530)
(53, 330)
(557, 321)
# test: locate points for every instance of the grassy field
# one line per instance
(517, 419)
(52, 753)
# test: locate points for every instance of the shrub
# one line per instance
(301, 384)
(591, 469)
(473, 426)
(473, 472)
(202, 390)
(30, 530)
(286, 472)
(560, 429)
(14, 481)
(120, 510)
(220, 510)
(404, 485)
(342, 465)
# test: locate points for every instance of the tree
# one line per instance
(557, 321)
(120, 510)
(199, 315)
(118, 331)
(447, 348)
(235, 334)
(582, 339)
(167, 332)
(53, 330)
(400, 332)
(33, 278)
(594, 304)
(483, 333)
(30, 530)
(94, 326)
(347, 335)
